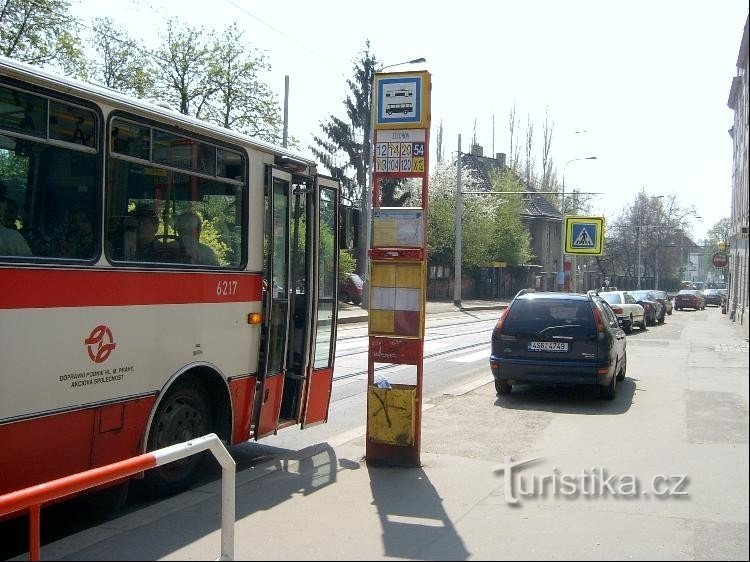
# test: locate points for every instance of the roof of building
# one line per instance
(742, 63)
(536, 205)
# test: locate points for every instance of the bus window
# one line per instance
(180, 203)
(49, 182)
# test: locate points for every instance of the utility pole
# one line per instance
(286, 111)
(459, 214)
(656, 260)
(561, 266)
(640, 236)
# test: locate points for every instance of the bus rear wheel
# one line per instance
(184, 414)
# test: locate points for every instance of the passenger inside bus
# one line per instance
(10, 217)
(11, 241)
(147, 247)
(188, 226)
(78, 235)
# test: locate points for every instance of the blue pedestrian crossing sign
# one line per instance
(584, 235)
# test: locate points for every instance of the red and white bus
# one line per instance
(160, 279)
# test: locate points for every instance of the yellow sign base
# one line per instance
(390, 412)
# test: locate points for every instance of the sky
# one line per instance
(641, 85)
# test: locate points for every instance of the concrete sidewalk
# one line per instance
(326, 502)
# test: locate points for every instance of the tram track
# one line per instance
(429, 356)
(428, 339)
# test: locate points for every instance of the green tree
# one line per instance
(121, 63)
(347, 263)
(491, 229)
(41, 32)
(720, 232)
(183, 61)
(220, 230)
(241, 100)
(344, 146)
(510, 242)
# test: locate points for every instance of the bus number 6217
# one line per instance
(226, 288)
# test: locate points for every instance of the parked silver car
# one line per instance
(629, 312)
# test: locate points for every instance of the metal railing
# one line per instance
(33, 497)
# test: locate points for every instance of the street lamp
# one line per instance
(370, 162)
(679, 229)
(562, 224)
(682, 237)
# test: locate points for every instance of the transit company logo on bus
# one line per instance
(100, 344)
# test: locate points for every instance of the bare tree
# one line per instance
(474, 139)
(546, 148)
(529, 150)
(439, 156)
(513, 128)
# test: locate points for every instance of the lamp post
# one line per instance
(682, 237)
(561, 266)
(370, 161)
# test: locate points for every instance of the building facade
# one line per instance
(738, 253)
(539, 216)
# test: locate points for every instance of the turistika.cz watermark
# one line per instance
(595, 482)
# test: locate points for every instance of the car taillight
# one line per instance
(617, 309)
(599, 321)
(500, 320)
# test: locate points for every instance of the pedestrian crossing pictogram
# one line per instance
(584, 239)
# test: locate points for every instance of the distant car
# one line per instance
(653, 309)
(558, 338)
(689, 298)
(351, 288)
(664, 298)
(629, 312)
(712, 296)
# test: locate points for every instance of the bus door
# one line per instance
(324, 261)
(300, 272)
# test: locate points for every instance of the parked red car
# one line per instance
(351, 289)
(689, 298)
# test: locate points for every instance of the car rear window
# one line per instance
(611, 298)
(533, 316)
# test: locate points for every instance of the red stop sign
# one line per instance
(719, 260)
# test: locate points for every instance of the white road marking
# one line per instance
(483, 354)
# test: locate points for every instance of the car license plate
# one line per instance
(556, 346)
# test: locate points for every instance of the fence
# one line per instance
(32, 498)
